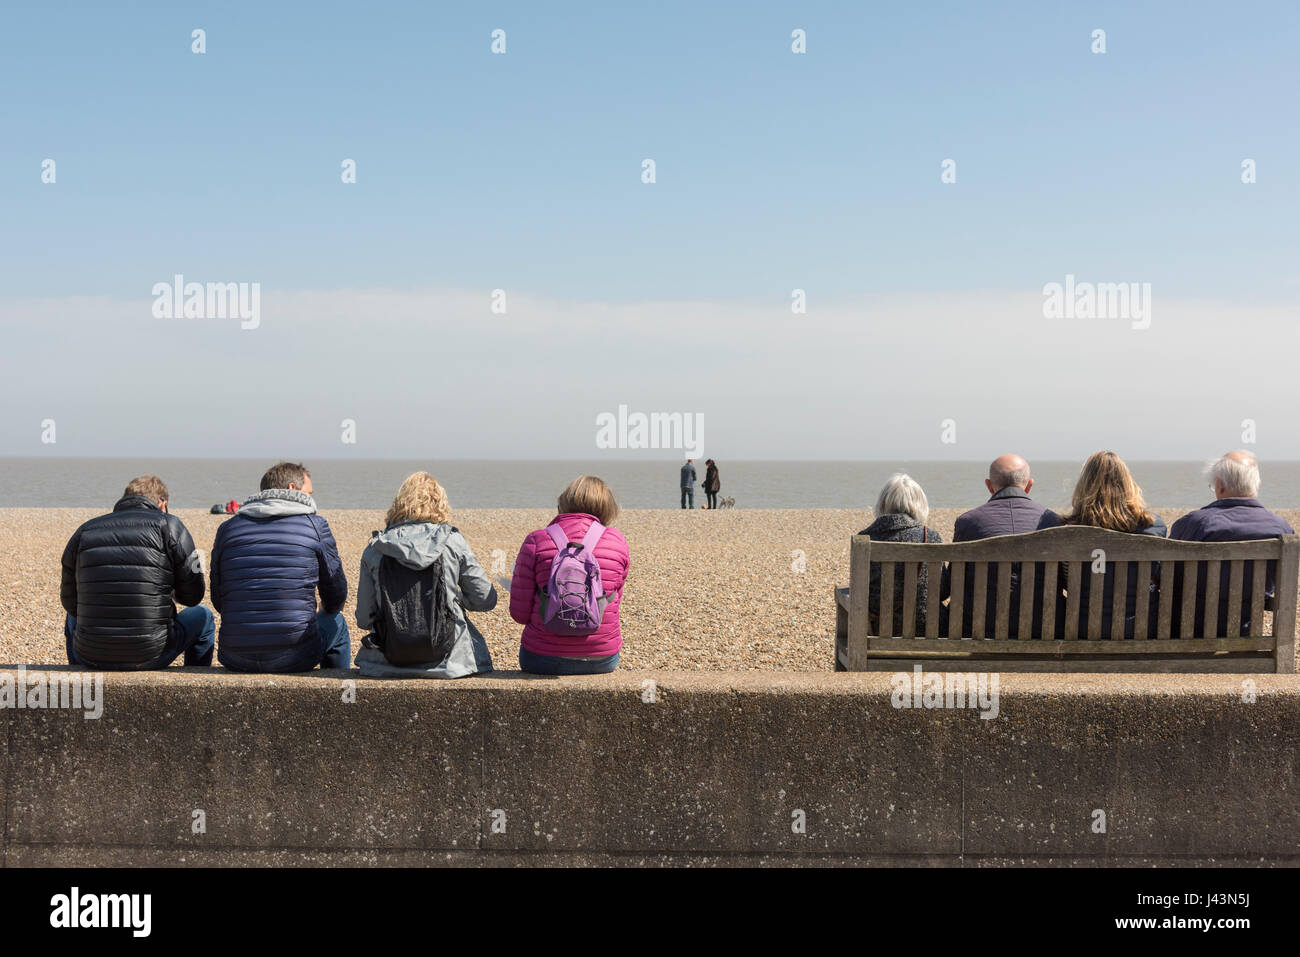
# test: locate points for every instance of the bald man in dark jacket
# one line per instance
(1009, 511)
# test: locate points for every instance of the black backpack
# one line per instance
(416, 623)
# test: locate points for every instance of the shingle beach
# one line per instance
(731, 590)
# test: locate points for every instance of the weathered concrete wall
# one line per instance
(585, 770)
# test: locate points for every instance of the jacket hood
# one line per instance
(278, 502)
(892, 522)
(135, 501)
(414, 544)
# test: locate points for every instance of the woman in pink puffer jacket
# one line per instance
(587, 499)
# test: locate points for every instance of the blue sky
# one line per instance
(774, 171)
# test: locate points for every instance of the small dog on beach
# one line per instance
(728, 502)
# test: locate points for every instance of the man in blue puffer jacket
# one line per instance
(268, 562)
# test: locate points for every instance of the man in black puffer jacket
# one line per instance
(120, 571)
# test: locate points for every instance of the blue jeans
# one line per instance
(333, 650)
(553, 665)
(688, 493)
(192, 633)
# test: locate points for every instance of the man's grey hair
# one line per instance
(903, 495)
(1239, 476)
(1006, 478)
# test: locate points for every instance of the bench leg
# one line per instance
(841, 636)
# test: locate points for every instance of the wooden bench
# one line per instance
(1067, 554)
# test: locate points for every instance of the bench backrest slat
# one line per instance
(1002, 606)
(1187, 623)
(933, 574)
(886, 598)
(1210, 616)
(1073, 580)
(1257, 598)
(1165, 606)
(1119, 600)
(981, 598)
(1142, 609)
(1096, 592)
(909, 600)
(956, 604)
(1235, 581)
(1051, 573)
(1028, 580)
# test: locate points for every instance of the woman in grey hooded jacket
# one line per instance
(416, 534)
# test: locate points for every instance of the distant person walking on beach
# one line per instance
(418, 578)
(1009, 511)
(901, 513)
(711, 483)
(1235, 515)
(268, 562)
(688, 482)
(1107, 497)
(120, 573)
(568, 584)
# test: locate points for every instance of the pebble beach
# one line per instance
(731, 590)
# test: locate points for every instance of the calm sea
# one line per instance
(198, 483)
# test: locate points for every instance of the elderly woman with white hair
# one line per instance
(901, 515)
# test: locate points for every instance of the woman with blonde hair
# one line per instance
(571, 627)
(1106, 496)
(418, 578)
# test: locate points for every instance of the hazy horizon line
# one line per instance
(648, 461)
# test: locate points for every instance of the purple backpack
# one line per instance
(574, 600)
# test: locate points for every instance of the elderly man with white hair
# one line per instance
(901, 515)
(1235, 515)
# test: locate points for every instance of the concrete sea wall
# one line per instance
(197, 766)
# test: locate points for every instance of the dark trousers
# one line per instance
(688, 493)
(556, 665)
(333, 650)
